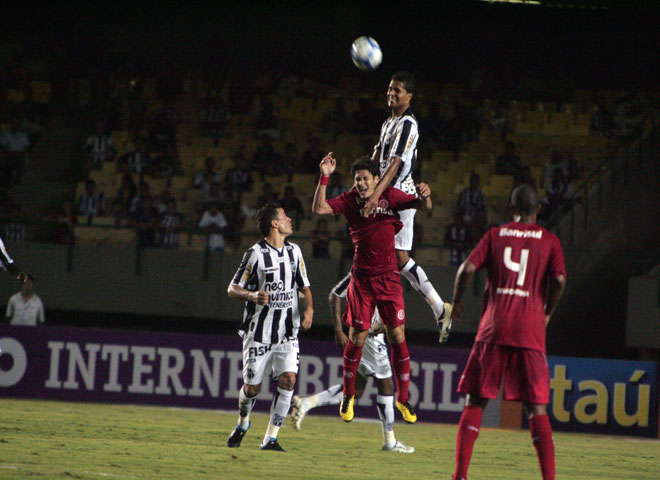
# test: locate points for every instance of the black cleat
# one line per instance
(236, 437)
(272, 445)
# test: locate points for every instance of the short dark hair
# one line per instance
(365, 163)
(265, 216)
(525, 199)
(407, 79)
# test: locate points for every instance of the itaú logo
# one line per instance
(13, 362)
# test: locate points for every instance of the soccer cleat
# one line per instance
(444, 323)
(407, 412)
(236, 437)
(399, 448)
(298, 411)
(346, 408)
(272, 445)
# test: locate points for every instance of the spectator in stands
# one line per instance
(215, 224)
(479, 226)
(525, 176)
(170, 225)
(99, 147)
(14, 227)
(239, 178)
(235, 218)
(335, 187)
(558, 195)
(498, 119)
(137, 106)
(14, 148)
(309, 163)
(91, 203)
(574, 168)
(267, 195)
(600, 122)
(121, 207)
(214, 117)
(266, 123)
(265, 159)
(556, 161)
(209, 174)
(167, 164)
(292, 206)
(320, 239)
(457, 238)
(162, 201)
(471, 199)
(163, 124)
(67, 220)
(214, 194)
(137, 161)
(25, 307)
(143, 193)
(508, 163)
(126, 183)
(146, 220)
(335, 121)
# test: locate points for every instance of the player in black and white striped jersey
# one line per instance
(268, 280)
(396, 155)
(375, 362)
(8, 264)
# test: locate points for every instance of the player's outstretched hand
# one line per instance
(341, 339)
(423, 190)
(328, 165)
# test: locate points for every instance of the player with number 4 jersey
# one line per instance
(526, 278)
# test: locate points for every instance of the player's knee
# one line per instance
(287, 381)
(476, 401)
(396, 335)
(535, 409)
(402, 258)
(252, 390)
(385, 386)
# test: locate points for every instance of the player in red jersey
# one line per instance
(526, 279)
(375, 277)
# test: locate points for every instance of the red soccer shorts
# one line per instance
(525, 373)
(367, 292)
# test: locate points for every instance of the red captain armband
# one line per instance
(323, 180)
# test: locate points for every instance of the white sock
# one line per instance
(416, 275)
(279, 409)
(385, 404)
(331, 396)
(245, 405)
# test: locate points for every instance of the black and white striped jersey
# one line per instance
(398, 138)
(5, 259)
(100, 147)
(280, 273)
(340, 290)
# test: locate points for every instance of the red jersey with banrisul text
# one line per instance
(373, 236)
(520, 259)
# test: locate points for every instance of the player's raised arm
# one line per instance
(320, 204)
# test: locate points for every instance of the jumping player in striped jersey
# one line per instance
(268, 280)
(7, 264)
(374, 363)
(396, 156)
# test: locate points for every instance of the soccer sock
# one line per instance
(279, 409)
(245, 405)
(401, 365)
(541, 432)
(352, 356)
(468, 431)
(416, 275)
(385, 404)
(331, 396)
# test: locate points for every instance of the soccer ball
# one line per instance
(366, 53)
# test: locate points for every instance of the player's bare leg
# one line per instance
(541, 432)
(416, 275)
(352, 356)
(279, 410)
(247, 396)
(468, 431)
(401, 367)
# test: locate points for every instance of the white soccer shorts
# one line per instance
(404, 239)
(375, 358)
(260, 359)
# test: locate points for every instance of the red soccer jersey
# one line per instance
(520, 259)
(373, 236)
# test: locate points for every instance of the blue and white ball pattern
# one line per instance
(366, 53)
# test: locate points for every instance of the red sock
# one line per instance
(541, 431)
(401, 365)
(468, 431)
(352, 356)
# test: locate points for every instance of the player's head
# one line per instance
(400, 91)
(28, 286)
(272, 217)
(365, 175)
(525, 202)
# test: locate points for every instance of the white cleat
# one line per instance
(298, 411)
(399, 448)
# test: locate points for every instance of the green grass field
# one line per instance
(55, 440)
